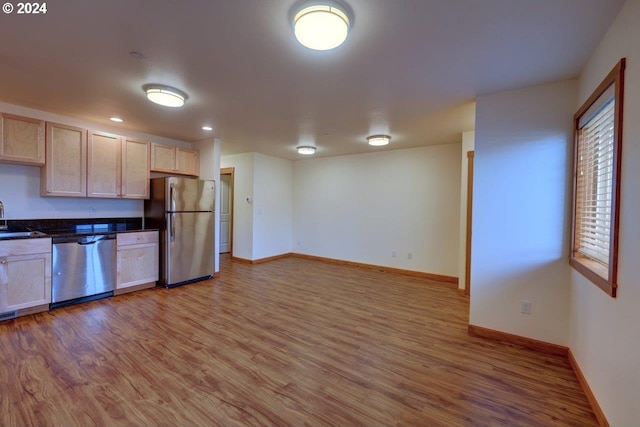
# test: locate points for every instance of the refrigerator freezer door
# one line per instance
(189, 195)
(189, 248)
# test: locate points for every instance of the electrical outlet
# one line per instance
(410, 255)
(92, 211)
(525, 307)
(394, 254)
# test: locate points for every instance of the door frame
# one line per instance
(467, 269)
(229, 171)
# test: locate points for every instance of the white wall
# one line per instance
(272, 206)
(468, 144)
(242, 209)
(210, 169)
(521, 208)
(20, 193)
(605, 332)
(261, 227)
(362, 207)
(20, 185)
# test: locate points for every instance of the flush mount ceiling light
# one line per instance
(207, 128)
(321, 25)
(116, 119)
(306, 149)
(165, 95)
(378, 140)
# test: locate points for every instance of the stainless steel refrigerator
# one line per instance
(183, 210)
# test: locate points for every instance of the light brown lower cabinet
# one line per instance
(137, 260)
(25, 276)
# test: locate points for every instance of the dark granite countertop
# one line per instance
(74, 227)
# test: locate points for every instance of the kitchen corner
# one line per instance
(101, 179)
(50, 263)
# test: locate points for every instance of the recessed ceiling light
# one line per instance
(322, 25)
(378, 140)
(209, 128)
(306, 149)
(165, 95)
(116, 119)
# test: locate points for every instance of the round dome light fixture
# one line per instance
(322, 25)
(306, 150)
(378, 140)
(165, 95)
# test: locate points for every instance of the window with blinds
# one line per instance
(598, 135)
(593, 186)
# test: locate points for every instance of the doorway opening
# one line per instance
(226, 210)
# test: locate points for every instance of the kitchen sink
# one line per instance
(12, 233)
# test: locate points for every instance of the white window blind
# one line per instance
(594, 182)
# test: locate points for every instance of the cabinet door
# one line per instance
(25, 281)
(135, 169)
(187, 161)
(65, 171)
(104, 165)
(163, 158)
(22, 140)
(137, 259)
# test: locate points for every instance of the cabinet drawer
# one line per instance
(137, 238)
(25, 246)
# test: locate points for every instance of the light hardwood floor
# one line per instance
(291, 342)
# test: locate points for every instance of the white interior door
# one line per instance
(226, 207)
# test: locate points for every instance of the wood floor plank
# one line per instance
(292, 342)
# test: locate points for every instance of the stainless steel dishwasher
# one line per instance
(84, 268)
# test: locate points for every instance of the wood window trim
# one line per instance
(606, 279)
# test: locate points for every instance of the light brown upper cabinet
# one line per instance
(187, 161)
(65, 171)
(83, 163)
(21, 140)
(136, 163)
(117, 167)
(163, 158)
(174, 160)
(104, 165)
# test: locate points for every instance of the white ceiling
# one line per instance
(410, 68)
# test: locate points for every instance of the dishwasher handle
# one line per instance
(90, 240)
(84, 240)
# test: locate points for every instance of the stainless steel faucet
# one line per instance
(2, 218)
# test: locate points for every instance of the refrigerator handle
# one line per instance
(172, 228)
(172, 198)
